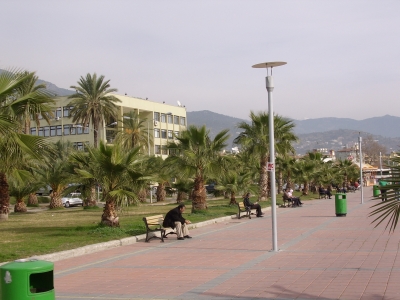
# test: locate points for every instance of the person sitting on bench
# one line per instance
(174, 218)
(247, 203)
(295, 200)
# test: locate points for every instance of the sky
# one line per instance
(343, 57)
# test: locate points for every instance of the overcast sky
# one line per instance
(343, 57)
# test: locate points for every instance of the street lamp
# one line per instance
(271, 165)
(361, 172)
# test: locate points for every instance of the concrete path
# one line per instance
(321, 256)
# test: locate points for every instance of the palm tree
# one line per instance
(117, 171)
(16, 148)
(389, 208)
(133, 132)
(55, 173)
(32, 101)
(161, 175)
(348, 171)
(255, 139)
(92, 102)
(198, 157)
(284, 168)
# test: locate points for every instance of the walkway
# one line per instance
(321, 257)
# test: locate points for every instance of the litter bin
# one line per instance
(376, 191)
(27, 279)
(340, 205)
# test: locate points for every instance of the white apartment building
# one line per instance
(163, 122)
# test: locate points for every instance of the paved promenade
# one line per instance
(321, 256)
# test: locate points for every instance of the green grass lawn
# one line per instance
(47, 231)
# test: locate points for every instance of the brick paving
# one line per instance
(320, 256)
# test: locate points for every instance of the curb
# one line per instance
(117, 243)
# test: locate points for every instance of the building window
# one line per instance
(156, 133)
(66, 111)
(58, 112)
(157, 149)
(176, 120)
(59, 130)
(41, 131)
(183, 121)
(173, 151)
(170, 119)
(79, 129)
(79, 145)
(164, 150)
(53, 130)
(170, 134)
(33, 130)
(176, 134)
(156, 116)
(46, 131)
(163, 134)
(73, 130)
(86, 129)
(67, 129)
(163, 118)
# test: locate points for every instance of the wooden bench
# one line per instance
(243, 209)
(288, 200)
(153, 225)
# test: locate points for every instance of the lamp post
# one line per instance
(361, 172)
(270, 88)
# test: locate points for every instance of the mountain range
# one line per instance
(330, 133)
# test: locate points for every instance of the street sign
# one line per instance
(270, 166)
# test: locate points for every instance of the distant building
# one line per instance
(163, 122)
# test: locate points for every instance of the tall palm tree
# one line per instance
(348, 171)
(198, 157)
(255, 139)
(16, 148)
(93, 103)
(133, 132)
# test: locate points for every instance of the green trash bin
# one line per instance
(340, 205)
(376, 191)
(27, 279)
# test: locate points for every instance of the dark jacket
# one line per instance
(174, 215)
(246, 202)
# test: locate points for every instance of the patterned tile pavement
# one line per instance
(320, 256)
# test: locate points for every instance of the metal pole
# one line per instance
(270, 88)
(361, 172)
(148, 136)
(380, 162)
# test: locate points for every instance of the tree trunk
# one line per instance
(32, 199)
(233, 199)
(280, 182)
(4, 197)
(55, 200)
(92, 199)
(109, 217)
(305, 189)
(142, 195)
(20, 206)
(179, 197)
(160, 193)
(263, 183)
(199, 195)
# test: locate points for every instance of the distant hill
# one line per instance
(52, 87)
(330, 133)
(386, 126)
